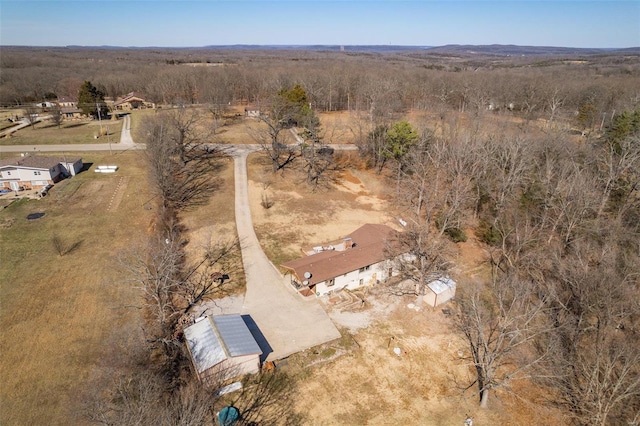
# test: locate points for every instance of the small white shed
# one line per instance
(440, 291)
(222, 348)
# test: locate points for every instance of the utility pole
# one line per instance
(99, 117)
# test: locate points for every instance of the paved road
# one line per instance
(289, 323)
(126, 143)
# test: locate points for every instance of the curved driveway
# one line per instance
(289, 323)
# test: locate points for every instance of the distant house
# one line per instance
(70, 112)
(67, 102)
(36, 171)
(251, 112)
(360, 259)
(440, 291)
(222, 348)
(132, 101)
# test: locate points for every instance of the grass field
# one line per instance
(60, 316)
(70, 132)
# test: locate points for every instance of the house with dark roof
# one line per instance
(222, 348)
(71, 112)
(360, 259)
(34, 171)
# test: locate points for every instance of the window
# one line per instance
(331, 282)
(8, 173)
(366, 268)
(36, 172)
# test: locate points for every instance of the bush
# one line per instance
(456, 235)
(488, 234)
(266, 202)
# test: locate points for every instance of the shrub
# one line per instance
(456, 235)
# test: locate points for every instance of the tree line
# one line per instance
(561, 223)
(593, 87)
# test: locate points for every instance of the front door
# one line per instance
(14, 186)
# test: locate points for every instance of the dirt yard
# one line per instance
(359, 379)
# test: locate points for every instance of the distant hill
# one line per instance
(513, 50)
(464, 50)
(323, 47)
(503, 50)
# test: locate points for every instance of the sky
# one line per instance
(194, 23)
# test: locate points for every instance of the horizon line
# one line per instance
(417, 46)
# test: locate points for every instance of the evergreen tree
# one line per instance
(90, 98)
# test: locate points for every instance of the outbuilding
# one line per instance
(222, 348)
(440, 291)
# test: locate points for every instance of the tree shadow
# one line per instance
(74, 125)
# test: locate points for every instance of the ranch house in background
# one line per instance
(67, 102)
(71, 112)
(32, 172)
(132, 101)
(360, 259)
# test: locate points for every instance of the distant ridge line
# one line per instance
(457, 49)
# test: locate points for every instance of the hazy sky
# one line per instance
(420, 23)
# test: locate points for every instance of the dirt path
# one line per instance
(289, 323)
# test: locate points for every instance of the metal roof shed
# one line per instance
(222, 348)
(440, 291)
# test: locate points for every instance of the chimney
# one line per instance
(348, 243)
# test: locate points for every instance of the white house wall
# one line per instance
(32, 176)
(356, 279)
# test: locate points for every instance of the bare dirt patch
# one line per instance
(300, 216)
(362, 380)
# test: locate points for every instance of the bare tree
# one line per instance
(555, 100)
(31, 115)
(55, 115)
(143, 399)
(181, 165)
(273, 136)
(265, 400)
(320, 161)
(420, 256)
(500, 323)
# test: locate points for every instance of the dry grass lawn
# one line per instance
(70, 132)
(60, 315)
(215, 222)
